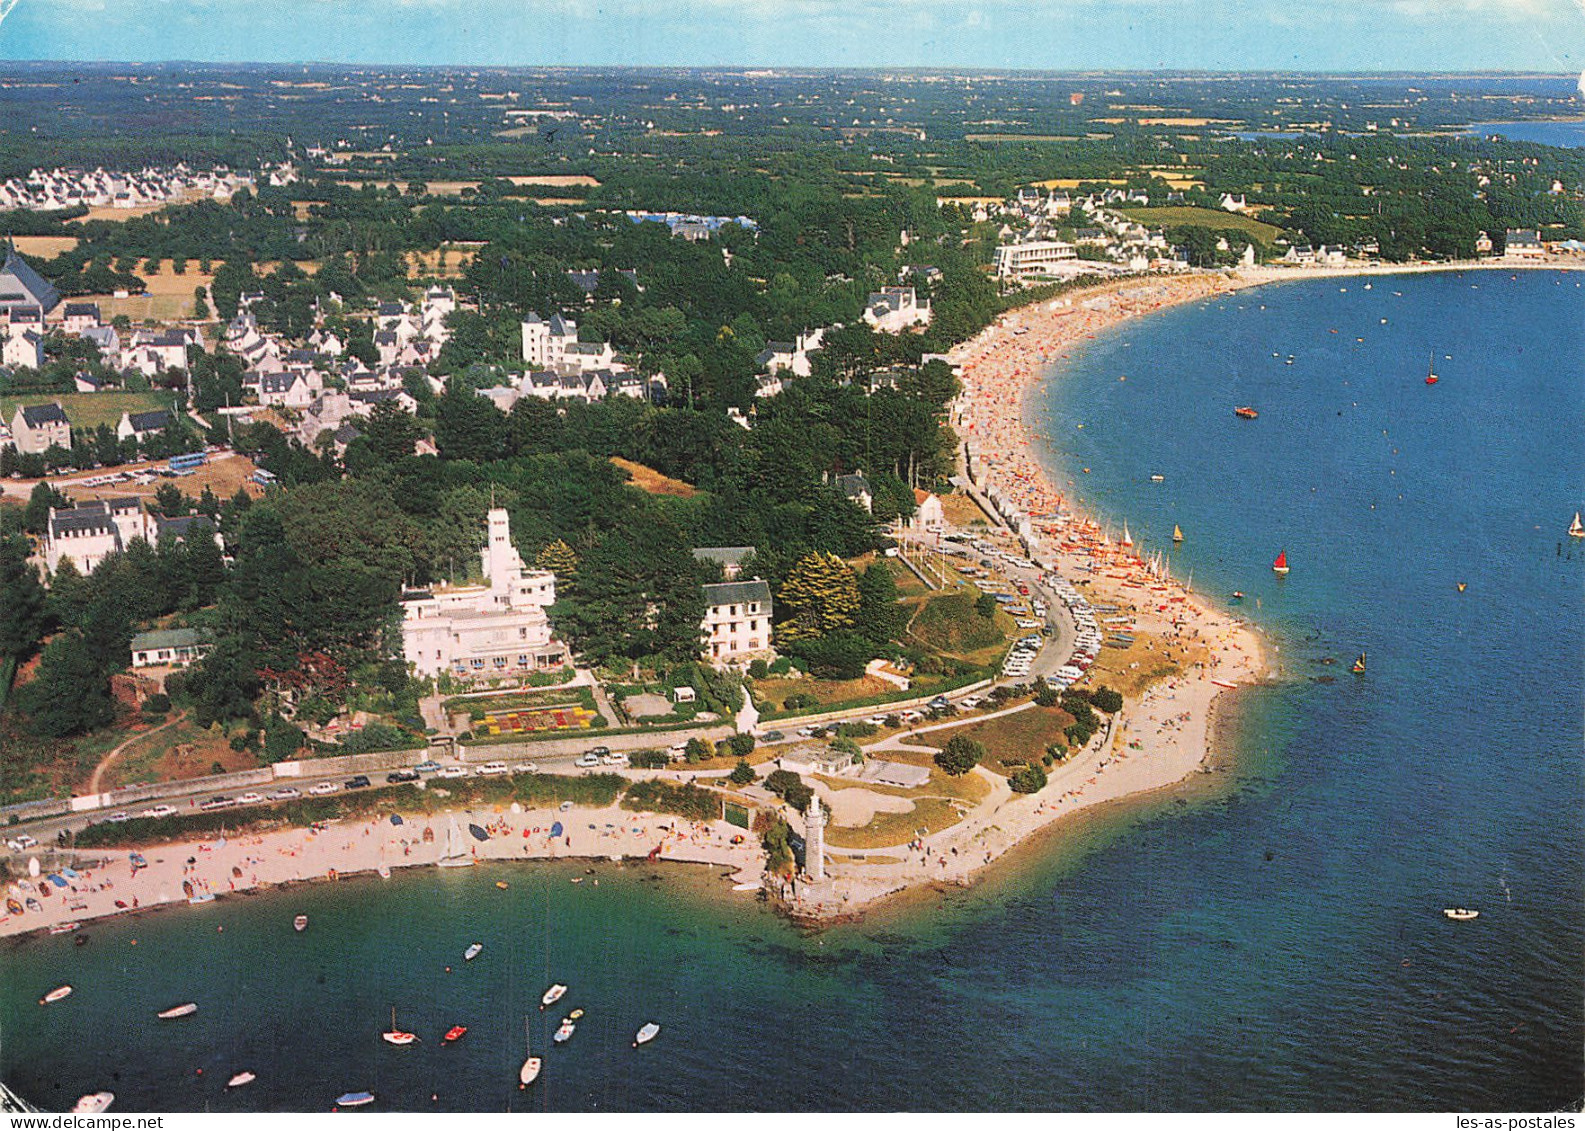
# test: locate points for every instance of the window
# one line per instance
(734, 610)
(478, 663)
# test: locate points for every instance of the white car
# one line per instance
(453, 771)
(159, 811)
(488, 770)
(117, 818)
(21, 843)
(615, 759)
(324, 787)
(285, 793)
(526, 768)
(586, 761)
(251, 798)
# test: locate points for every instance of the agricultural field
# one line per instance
(1171, 217)
(89, 410)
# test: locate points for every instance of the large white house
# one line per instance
(490, 631)
(90, 532)
(892, 310)
(545, 343)
(737, 620)
(35, 428)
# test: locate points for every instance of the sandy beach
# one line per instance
(108, 882)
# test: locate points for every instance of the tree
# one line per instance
(741, 745)
(469, 427)
(985, 606)
(741, 774)
(881, 619)
(1027, 779)
(821, 594)
(1106, 699)
(169, 501)
(697, 750)
(559, 558)
(37, 515)
(960, 755)
(22, 617)
(391, 431)
(70, 693)
(200, 297)
(1047, 696)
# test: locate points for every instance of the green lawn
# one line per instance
(1023, 736)
(949, 624)
(1172, 217)
(89, 410)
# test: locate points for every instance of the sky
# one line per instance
(1308, 35)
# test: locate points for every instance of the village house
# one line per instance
(737, 622)
(91, 531)
(140, 426)
(169, 648)
(1522, 243)
(21, 348)
(729, 558)
(35, 428)
(927, 517)
(894, 309)
(856, 488)
(21, 286)
(80, 316)
(495, 630)
(790, 357)
(545, 342)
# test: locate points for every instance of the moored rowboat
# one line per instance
(55, 995)
(241, 1079)
(647, 1034)
(187, 1009)
(93, 1103)
(354, 1099)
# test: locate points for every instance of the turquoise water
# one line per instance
(1269, 938)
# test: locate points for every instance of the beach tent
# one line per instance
(478, 833)
(556, 830)
(396, 818)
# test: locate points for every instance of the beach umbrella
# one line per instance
(556, 830)
(396, 818)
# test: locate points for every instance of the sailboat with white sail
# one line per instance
(454, 855)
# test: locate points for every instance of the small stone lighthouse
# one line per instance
(815, 841)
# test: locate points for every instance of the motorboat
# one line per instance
(1460, 914)
(93, 1103)
(187, 1009)
(575, 1015)
(300, 923)
(395, 1036)
(1158, 478)
(647, 1034)
(64, 928)
(552, 995)
(565, 1031)
(455, 1033)
(241, 1079)
(472, 952)
(1246, 412)
(354, 1099)
(55, 995)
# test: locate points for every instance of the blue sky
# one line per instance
(1059, 34)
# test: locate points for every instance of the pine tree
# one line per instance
(21, 610)
(820, 595)
(558, 557)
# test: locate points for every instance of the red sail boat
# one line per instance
(1281, 564)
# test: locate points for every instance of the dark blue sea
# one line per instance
(1565, 134)
(1269, 937)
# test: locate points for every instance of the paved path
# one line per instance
(104, 763)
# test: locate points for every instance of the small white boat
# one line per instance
(472, 952)
(55, 995)
(187, 1009)
(395, 1036)
(527, 1074)
(647, 1034)
(383, 872)
(1576, 529)
(1158, 478)
(552, 995)
(565, 1031)
(354, 1099)
(300, 923)
(93, 1103)
(241, 1079)
(202, 897)
(1460, 914)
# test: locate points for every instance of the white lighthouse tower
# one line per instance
(815, 841)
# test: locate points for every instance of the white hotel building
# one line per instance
(490, 631)
(1038, 257)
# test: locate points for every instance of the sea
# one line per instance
(1564, 133)
(1268, 936)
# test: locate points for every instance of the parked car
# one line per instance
(773, 736)
(396, 776)
(586, 761)
(428, 767)
(359, 782)
(285, 793)
(454, 771)
(117, 818)
(21, 843)
(251, 798)
(323, 788)
(940, 701)
(159, 811)
(600, 751)
(218, 803)
(526, 768)
(614, 759)
(491, 769)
